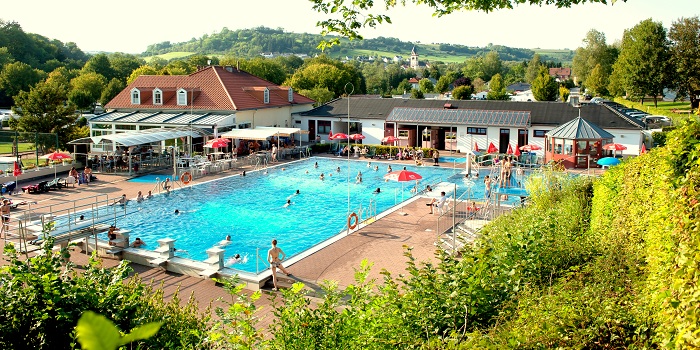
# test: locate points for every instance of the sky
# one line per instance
(131, 25)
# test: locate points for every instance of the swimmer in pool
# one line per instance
(316, 165)
(389, 169)
(358, 178)
(376, 168)
(377, 191)
(286, 205)
(369, 164)
(337, 169)
(177, 211)
(322, 177)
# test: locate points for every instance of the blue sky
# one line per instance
(130, 25)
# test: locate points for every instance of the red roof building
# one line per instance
(560, 74)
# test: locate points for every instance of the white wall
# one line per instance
(632, 139)
(373, 130)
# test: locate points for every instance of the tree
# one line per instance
(685, 55)
(474, 68)
(18, 76)
(100, 64)
(426, 86)
(320, 95)
(267, 69)
(544, 87)
(81, 99)
(594, 52)
(443, 84)
(491, 65)
(597, 82)
(114, 87)
(143, 70)
(358, 14)
(91, 84)
(533, 68)
(417, 94)
(643, 65)
(124, 64)
(564, 93)
(497, 90)
(463, 92)
(323, 72)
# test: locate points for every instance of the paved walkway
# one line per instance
(381, 243)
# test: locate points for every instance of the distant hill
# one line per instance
(253, 42)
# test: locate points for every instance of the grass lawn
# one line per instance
(6, 148)
(676, 110)
(170, 55)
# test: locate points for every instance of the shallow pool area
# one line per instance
(150, 178)
(251, 208)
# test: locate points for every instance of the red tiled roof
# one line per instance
(413, 81)
(213, 87)
(560, 72)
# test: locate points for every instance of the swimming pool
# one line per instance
(251, 210)
(450, 160)
(149, 178)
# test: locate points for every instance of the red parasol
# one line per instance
(517, 152)
(390, 139)
(510, 149)
(17, 171)
(614, 147)
(530, 148)
(357, 137)
(217, 143)
(338, 136)
(56, 156)
(402, 175)
(476, 147)
(643, 150)
(492, 148)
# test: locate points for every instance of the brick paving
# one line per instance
(381, 243)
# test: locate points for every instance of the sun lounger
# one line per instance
(54, 184)
(36, 188)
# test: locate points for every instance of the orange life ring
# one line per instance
(352, 225)
(186, 177)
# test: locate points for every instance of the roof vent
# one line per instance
(229, 69)
(448, 106)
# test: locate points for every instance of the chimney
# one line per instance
(208, 62)
(238, 66)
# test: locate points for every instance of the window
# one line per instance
(403, 133)
(157, 97)
(244, 125)
(290, 95)
(538, 133)
(182, 97)
(324, 127)
(476, 131)
(266, 96)
(135, 97)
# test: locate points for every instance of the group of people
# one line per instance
(113, 234)
(81, 178)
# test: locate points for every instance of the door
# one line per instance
(522, 137)
(312, 130)
(503, 141)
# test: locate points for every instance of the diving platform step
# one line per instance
(209, 273)
(158, 262)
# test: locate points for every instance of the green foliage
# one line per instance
(114, 87)
(320, 95)
(597, 81)
(417, 94)
(323, 72)
(463, 92)
(426, 86)
(18, 76)
(544, 87)
(443, 84)
(595, 52)
(533, 68)
(237, 325)
(564, 93)
(497, 90)
(96, 332)
(685, 55)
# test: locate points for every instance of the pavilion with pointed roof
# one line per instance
(577, 143)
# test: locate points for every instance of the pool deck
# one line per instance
(382, 243)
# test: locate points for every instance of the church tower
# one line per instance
(414, 58)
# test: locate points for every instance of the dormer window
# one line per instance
(290, 95)
(266, 96)
(182, 97)
(157, 97)
(135, 97)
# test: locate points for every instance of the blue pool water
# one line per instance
(451, 160)
(149, 178)
(250, 208)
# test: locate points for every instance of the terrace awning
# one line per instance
(148, 136)
(284, 132)
(249, 134)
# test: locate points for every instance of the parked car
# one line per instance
(5, 114)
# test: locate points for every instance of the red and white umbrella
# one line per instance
(614, 147)
(510, 149)
(530, 148)
(338, 136)
(56, 156)
(517, 152)
(643, 150)
(390, 139)
(476, 147)
(17, 170)
(402, 176)
(492, 148)
(357, 137)
(217, 143)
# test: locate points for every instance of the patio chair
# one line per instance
(9, 187)
(334, 148)
(54, 184)
(372, 153)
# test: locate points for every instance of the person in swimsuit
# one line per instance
(275, 256)
(5, 212)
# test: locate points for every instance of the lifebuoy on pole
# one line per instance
(186, 177)
(353, 221)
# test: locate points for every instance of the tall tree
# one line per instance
(491, 65)
(123, 64)
(594, 52)
(533, 68)
(100, 64)
(426, 86)
(643, 64)
(497, 89)
(463, 92)
(264, 68)
(685, 55)
(544, 87)
(45, 108)
(91, 84)
(19, 76)
(597, 82)
(443, 84)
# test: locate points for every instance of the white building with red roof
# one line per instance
(214, 99)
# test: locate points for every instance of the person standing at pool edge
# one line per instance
(275, 256)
